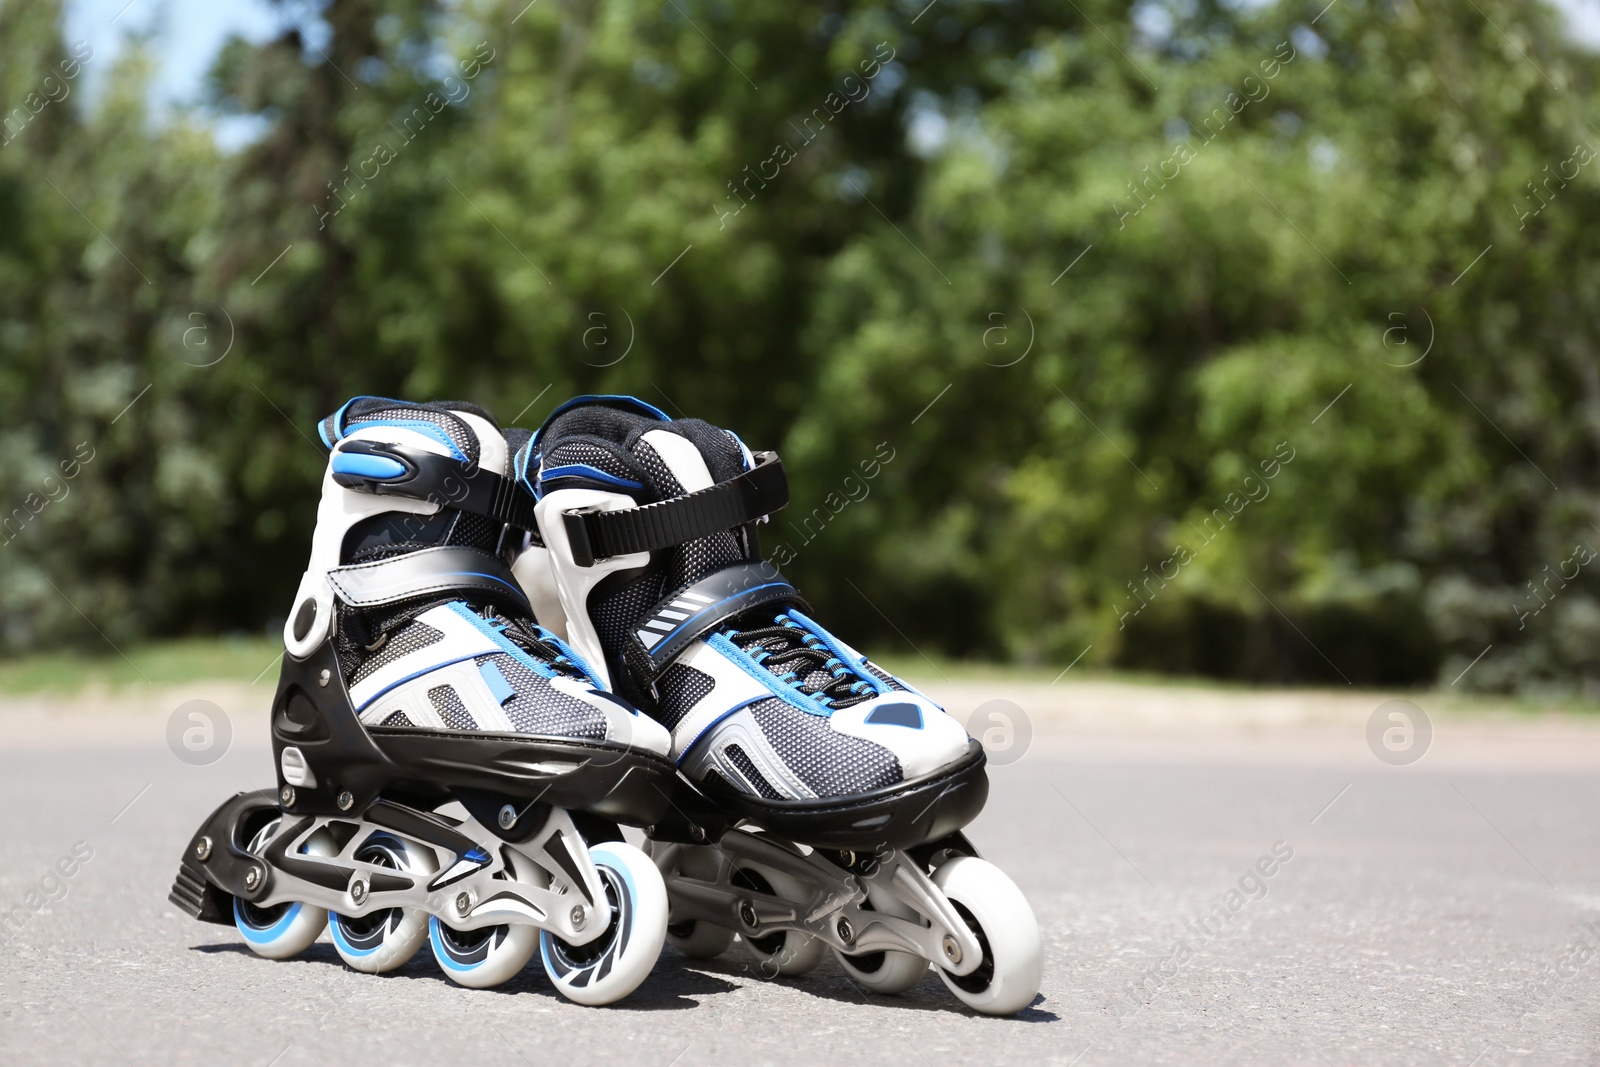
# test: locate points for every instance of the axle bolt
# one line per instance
(580, 917)
(324, 677)
(358, 891)
(508, 817)
(847, 933)
(252, 878)
(747, 914)
(463, 903)
(346, 800)
(847, 858)
(286, 796)
(202, 849)
(952, 949)
(698, 833)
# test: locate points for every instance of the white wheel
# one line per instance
(489, 955)
(288, 929)
(696, 938)
(887, 972)
(782, 953)
(383, 940)
(611, 966)
(1008, 978)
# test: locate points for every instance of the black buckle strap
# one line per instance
(441, 480)
(427, 572)
(695, 610)
(595, 534)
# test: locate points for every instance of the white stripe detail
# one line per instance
(676, 615)
(657, 624)
(732, 688)
(461, 641)
(647, 638)
(413, 699)
(697, 596)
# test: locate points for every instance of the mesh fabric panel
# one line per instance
(831, 763)
(741, 759)
(472, 530)
(540, 708)
(681, 688)
(591, 454)
(413, 637)
(454, 428)
(447, 702)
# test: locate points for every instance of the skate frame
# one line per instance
(832, 909)
(468, 889)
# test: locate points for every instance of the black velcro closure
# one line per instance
(428, 572)
(595, 534)
(696, 610)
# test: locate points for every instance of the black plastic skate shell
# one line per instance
(352, 765)
(905, 815)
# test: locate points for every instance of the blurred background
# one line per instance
(1249, 340)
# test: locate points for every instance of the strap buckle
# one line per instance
(576, 523)
(402, 470)
(596, 534)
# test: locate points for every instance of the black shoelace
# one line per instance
(796, 656)
(536, 641)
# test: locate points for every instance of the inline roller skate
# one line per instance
(820, 800)
(448, 771)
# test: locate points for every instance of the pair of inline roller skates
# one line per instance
(508, 645)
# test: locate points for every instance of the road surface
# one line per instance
(1441, 912)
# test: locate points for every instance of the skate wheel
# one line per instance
(381, 941)
(698, 939)
(1013, 951)
(489, 955)
(782, 953)
(886, 972)
(287, 929)
(482, 958)
(611, 966)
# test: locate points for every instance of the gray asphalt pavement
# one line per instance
(1444, 914)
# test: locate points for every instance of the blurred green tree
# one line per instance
(1239, 340)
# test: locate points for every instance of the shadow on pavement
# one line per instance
(669, 987)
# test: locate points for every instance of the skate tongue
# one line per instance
(622, 444)
(797, 656)
(691, 456)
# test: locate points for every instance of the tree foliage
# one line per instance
(1248, 341)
